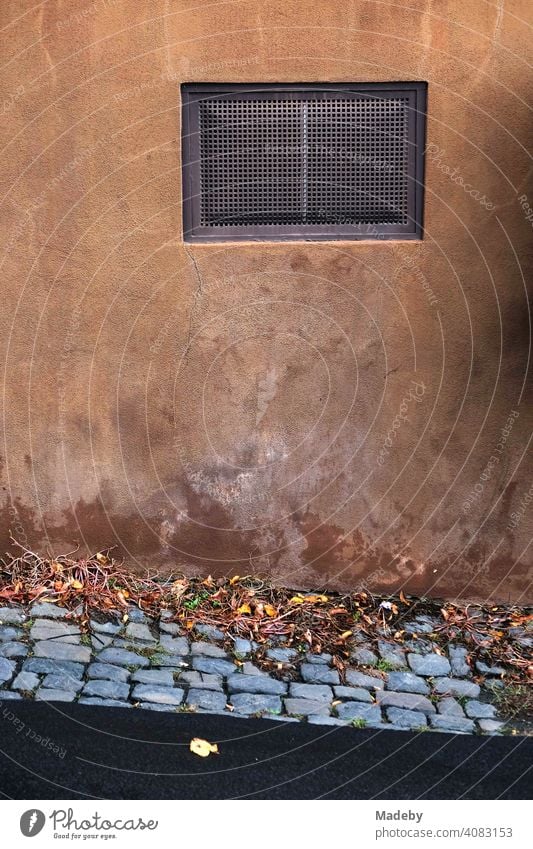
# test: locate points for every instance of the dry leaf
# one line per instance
(234, 580)
(270, 610)
(345, 635)
(101, 558)
(403, 599)
(296, 599)
(202, 748)
(244, 608)
(76, 585)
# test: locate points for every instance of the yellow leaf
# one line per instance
(296, 599)
(76, 585)
(270, 610)
(234, 580)
(346, 635)
(202, 748)
(101, 558)
(315, 598)
(244, 608)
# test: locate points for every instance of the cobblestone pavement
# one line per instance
(157, 666)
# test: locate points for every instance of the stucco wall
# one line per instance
(327, 413)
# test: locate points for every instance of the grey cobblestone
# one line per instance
(282, 655)
(452, 723)
(357, 694)
(147, 664)
(44, 665)
(48, 695)
(61, 682)
(106, 689)
(12, 616)
(25, 681)
(480, 710)
(357, 710)
(319, 719)
(391, 654)
(171, 628)
(159, 695)
(170, 660)
(412, 719)
(450, 707)
(8, 633)
(122, 657)
(315, 692)
(110, 628)
(321, 659)
(161, 677)
(239, 683)
(13, 650)
(429, 664)
(52, 611)
(139, 632)
(407, 682)
(314, 673)
(306, 707)
(406, 701)
(252, 703)
(489, 671)
(359, 679)
(206, 699)
(210, 632)
(53, 629)
(55, 650)
(456, 688)
(107, 671)
(364, 656)
(213, 666)
(207, 650)
(458, 662)
(7, 669)
(175, 645)
(490, 726)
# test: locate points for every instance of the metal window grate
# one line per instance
(311, 162)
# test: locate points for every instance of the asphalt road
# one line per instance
(73, 751)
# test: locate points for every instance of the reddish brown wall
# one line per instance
(225, 406)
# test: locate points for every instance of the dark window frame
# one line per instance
(193, 231)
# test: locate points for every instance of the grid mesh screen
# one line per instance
(303, 161)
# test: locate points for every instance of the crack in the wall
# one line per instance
(197, 295)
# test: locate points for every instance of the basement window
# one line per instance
(315, 162)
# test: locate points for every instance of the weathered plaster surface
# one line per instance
(230, 406)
